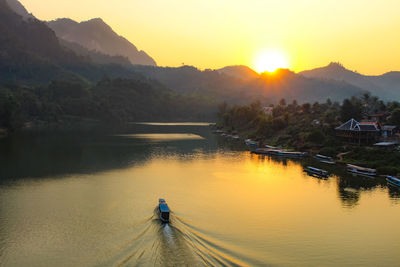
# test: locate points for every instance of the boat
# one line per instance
(235, 137)
(292, 154)
(315, 171)
(266, 151)
(393, 180)
(164, 210)
(325, 159)
(361, 170)
(250, 142)
(280, 152)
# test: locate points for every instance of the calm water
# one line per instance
(90, 200)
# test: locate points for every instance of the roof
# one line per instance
(348, 126)
(164, 208)
(379, 114)
(368, 127)
(388, 127)
(353, 125)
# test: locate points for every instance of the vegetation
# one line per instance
(311, 127)
(108, 101)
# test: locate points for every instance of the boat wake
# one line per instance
(177, 243)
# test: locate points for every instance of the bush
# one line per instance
(328, 151)
(387, 170)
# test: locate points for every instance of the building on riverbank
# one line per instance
(356, 132)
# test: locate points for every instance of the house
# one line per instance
(389, 130)
(359, 132)
(378, 117)
(268, 111)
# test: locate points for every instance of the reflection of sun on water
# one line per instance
(270, 61)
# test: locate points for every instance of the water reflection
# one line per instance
(89, 200)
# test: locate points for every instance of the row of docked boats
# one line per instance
(275, 151)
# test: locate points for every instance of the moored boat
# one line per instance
(361, 170)
(163, 210)
(316, 171)
(292, 154)
(250, 142)
(325, 159)
(392, 180)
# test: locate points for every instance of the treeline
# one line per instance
(303, 126)
(107, 101)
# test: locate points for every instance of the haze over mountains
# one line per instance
(33, 53)
(387, 86)
(96, 35)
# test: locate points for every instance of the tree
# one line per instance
(395, 118)
(350, 110)
(282, 102)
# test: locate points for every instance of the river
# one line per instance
(90, 199)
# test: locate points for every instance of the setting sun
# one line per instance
(270, 61)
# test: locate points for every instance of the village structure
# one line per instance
(368, 132)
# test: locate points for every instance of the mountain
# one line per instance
(95, 56)
(266, 87)
(386, 86)
(18, 8)
(31, 54)
(96, 35)
(239, 71)
(29, 50)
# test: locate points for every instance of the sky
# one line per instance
(363, 35)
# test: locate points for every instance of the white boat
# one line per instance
(361, 170)
(325, 159)
(163, 210)
(392, 180)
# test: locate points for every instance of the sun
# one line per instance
(270, 61)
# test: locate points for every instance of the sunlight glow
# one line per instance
(270, 61)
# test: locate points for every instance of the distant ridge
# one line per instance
(239, 71)
(96, 35)
(386, 86)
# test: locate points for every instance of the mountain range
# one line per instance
(386, 86)
(31, 52)
(96, 35)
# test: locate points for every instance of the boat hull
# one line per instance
(393, 181)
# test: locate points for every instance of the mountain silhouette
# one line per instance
(96, 35)
(18, 8)
(239, 71)
(386, 86)
(267, 87)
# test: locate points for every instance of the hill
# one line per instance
(236, 89)
(239, 71)
(386, 86)
(96, 35)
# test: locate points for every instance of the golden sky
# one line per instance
(363, 35)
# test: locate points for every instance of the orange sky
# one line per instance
(362, 35)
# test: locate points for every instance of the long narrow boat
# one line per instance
(393, 180)
(361, 170)
(164, 210)
(325, 159)
(292, 154)
(315, 171)
(280, 152)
